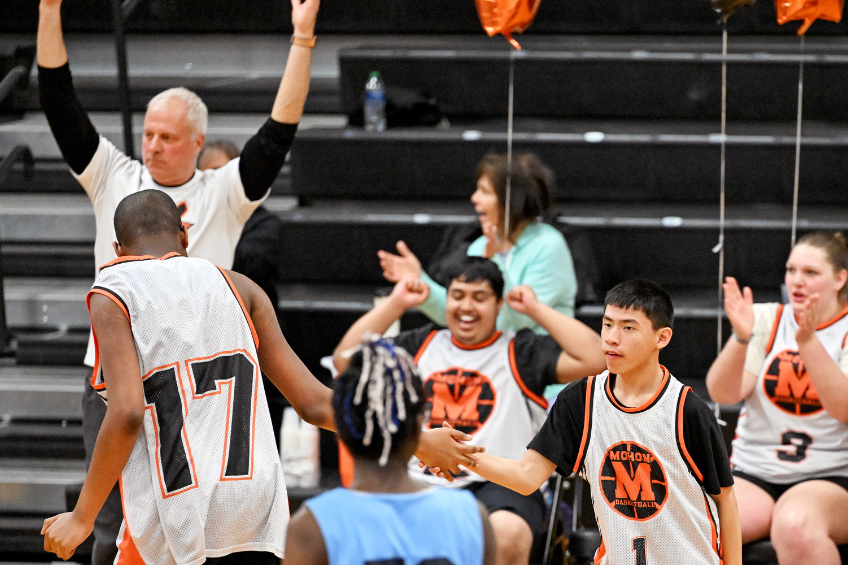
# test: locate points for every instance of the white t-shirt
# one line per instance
(212, 202)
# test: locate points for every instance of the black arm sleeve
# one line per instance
(705, 445)
(536, 357)
(559, 439)
(74, 133)
(412, 340)
(263, 157)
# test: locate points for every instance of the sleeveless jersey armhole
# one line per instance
(424, 345)
(95, 374)
(243, 309)
(515, 374)
(587, 424)
(774, 327)
(681, 442)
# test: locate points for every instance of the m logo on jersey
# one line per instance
(633, 481)
(788, 385)
(462, 397)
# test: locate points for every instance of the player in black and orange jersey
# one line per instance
(650, 449)
(789, 363)
(485, 382)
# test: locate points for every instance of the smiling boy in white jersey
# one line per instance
(651, 451)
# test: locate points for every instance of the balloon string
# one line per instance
(719, 248)
(798, 144)
(509, 117)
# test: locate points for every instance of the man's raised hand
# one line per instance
(304, 14)
(398, 267)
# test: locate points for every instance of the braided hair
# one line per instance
(380, 389)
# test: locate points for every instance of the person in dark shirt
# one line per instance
(487, 383)
(214, 205)
(651, 451)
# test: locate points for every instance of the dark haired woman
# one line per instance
(789, 363)
(385, 517)
(530, 253)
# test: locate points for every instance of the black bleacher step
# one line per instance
(433, 16)
(603, 78)
(42, 439)
(53, 348)
(594, 161)
(48, 259)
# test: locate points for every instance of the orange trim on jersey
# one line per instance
(527, 392)
(600, 554)
(834, 319)
(844, 340)
(424, 345)
(127, 551)
(94, 384)
(159, 473)
(774, 329)
(480, 345)
(647, 404)
(587, 416)
(243, 309)
(680, 439)
(128, 258)
(229, 384)
(714, 530)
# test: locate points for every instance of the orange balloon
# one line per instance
(809, 11)
(507, 16)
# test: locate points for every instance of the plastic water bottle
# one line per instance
(375, 103)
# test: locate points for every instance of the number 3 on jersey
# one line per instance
(208, 375)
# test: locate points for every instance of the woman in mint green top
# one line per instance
(532, 253)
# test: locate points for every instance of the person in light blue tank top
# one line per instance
(385, 518)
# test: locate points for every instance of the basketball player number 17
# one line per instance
(163, 395)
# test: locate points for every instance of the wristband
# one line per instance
(740, 340)
(308, 42)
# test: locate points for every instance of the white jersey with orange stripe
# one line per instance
(784, 433)
(478, 389)
(204, 478)
(648, 501)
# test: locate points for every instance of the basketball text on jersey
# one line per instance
(462, 397)
(633, 481)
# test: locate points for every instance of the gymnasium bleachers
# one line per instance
(620, 98)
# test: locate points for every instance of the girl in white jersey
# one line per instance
(789, 364)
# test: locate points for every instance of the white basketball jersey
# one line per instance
(649, 506)
(784, 434)
(479, 391)
(204, 478)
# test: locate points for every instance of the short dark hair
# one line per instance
(145, 213)
(226, 147)
(376, 404)
(645, 296)
(531, 188)
(478, 269)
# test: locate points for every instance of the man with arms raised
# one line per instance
(485, 382)
(213, 204)
(179, 346)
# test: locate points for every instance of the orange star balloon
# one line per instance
(809, 11)
(507, 16)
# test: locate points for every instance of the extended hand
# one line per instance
(443, 449)
(739, 307)
(410, 293)
(808, 320)
(398, 267)
(521, 299)
(304, 14)
(63, 533)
